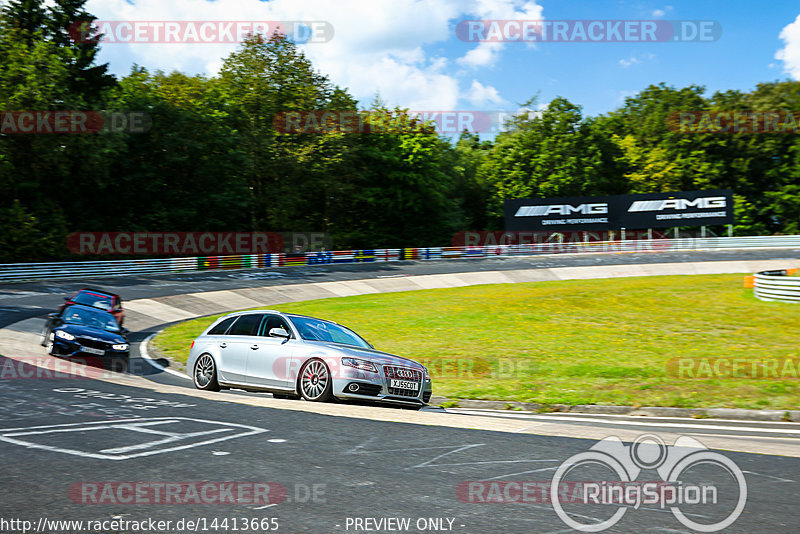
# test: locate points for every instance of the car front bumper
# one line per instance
(360, 385)
(66, 348)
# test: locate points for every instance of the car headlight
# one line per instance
(121, 346)
(427, 375)
(363, 365)
(64, 335)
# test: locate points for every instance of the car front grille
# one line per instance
(93, 343)
(402, 373)
(426, 397)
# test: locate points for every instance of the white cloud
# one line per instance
(634, 60)
(483, 55)
(658, 13)
(790, 54)
(378, 47)
(486, 54)
(482, 95)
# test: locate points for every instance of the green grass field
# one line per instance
(574, 342)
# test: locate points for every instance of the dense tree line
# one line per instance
(213, 159)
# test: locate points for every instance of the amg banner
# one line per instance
(635, 212)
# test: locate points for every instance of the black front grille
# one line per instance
(364, 389)
(402, 373)
(426, 397)
(93, 343)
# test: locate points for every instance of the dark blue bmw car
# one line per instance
(84, 330)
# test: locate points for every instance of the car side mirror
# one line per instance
(124, 331)
(279, 332)
(66, 298)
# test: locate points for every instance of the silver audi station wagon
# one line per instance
(297, 356)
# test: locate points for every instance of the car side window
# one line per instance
(273, 321)
(222, 327)
(246, 325)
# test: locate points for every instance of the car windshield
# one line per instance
(92, 318)
(317, 330)
(95, 300)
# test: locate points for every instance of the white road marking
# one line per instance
(358, 447)
(769, 476)
(573, 415)
(522, 473)
(233, 430)
(682, 426)
(465, 447)
(146, 357)
(500, 462)
(169, 439)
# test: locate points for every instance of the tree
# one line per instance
(550, 153)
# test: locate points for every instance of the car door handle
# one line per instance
(223, 345)
(254, 347)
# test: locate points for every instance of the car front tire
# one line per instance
(205, 373)
(46, 331)
(316, 382)
(50, 343)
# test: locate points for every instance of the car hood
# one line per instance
(96, 333)
(376, 356)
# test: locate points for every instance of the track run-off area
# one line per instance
(330, 467)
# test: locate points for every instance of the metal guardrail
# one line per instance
(777, 285)
(17, 272)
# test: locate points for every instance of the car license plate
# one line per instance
(90, 350)
(404, 384)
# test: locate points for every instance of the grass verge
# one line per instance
(573, 342)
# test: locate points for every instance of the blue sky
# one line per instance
(407, 50)
(593, 76)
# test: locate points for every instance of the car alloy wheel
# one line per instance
(205, 373)
(316, 383)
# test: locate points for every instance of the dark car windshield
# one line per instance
(93, 318)
(96, 300)
(317, 330)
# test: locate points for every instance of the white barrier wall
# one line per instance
(53, 271)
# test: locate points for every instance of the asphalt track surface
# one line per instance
(358, 468)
